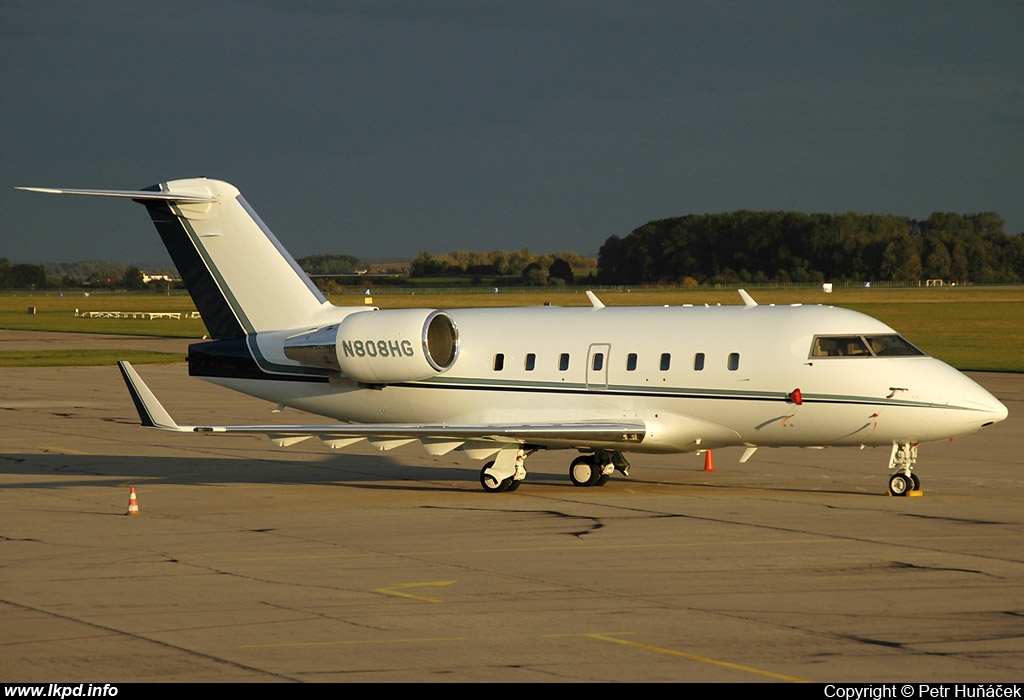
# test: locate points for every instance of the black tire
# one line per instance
(900, 484)
(583, 471)
(488, 481)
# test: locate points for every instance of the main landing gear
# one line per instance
(507, 471)
(902, 481)
(595, 469)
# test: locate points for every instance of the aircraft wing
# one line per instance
(437, 439)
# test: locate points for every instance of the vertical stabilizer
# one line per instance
(240, 277)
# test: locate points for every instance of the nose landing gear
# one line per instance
(902, 481)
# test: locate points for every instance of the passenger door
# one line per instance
(597, 365)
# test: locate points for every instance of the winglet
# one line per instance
(151, 412)
(747, 299)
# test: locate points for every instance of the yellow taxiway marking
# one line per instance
(395, 590)
(354, 642)
(691, 657)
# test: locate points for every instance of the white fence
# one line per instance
(136, 314)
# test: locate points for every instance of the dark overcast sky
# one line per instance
(389, 128)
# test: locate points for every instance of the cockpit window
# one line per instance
(863, 346)
(840, 346)
(892, 346)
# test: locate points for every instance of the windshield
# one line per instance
(863, 346)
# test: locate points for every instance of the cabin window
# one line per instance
(530, 362)
(631, 362)
(499, 362)
(563, 361)
(698, 362)
(666, 361)
(734, 361)
(598, 362)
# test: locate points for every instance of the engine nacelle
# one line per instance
(381, 347)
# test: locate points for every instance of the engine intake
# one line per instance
(381, 347)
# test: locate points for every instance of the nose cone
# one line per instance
(957, 405)
(983, 408)
(995, 411)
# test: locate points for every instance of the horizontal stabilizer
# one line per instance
(140, 195)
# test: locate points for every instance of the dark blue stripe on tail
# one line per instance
(220, 320)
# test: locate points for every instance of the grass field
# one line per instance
(971, 328)
(83, 358)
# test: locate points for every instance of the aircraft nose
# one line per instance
(990, 409)
(997, 412)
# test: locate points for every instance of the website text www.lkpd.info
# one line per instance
(61, 690)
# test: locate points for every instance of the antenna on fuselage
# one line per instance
(747, 299)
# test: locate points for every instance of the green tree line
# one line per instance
(736, 247)
(520, 266)
(89, 273)
(112, 274)
(777, 246)
(330, 264)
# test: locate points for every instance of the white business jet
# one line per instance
(500, 384)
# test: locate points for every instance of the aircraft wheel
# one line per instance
(583, 471)
(602, 480)
(900, 484)
(514, 485)
(492, 485)
(917, 482)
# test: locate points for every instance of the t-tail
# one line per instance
(240, 277)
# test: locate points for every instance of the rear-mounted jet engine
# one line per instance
(381, 347)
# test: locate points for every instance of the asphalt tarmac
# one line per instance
(249, 562)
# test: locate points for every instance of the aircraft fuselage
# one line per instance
(697, 377)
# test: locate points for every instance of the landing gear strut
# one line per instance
(902, 481)
(595, 469)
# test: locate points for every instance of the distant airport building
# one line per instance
(147, 278)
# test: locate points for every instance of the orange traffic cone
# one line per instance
(709, 462)
(133, 503)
